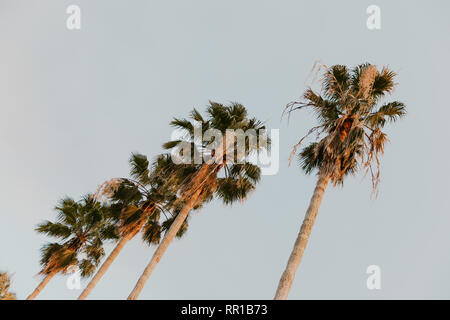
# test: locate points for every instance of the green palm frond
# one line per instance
(171, 144)
(232, 189)
(356, 76)
(336, 81)
(57, 230)
(109, 232)
(67, 211)
(140, 168)
(152, 232)
(325, 110)
(384, 82)
(94, 252)
(248, 170)
(48, 250)
(183, 124)
(196, 115)
(127, 192)
(389, 112)
(87, 268)
(181, 232)
(81, 228)
(310, 157)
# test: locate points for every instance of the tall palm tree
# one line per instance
(351, 115)
(226, 174)
(81, 228)
(140, 204)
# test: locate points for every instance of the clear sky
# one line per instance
(75, 104)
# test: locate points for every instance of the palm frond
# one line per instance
(171, 144)
(140, 168)
(384, 82)
(391, 112)
(183, 124)
(336, 81)
(196, 115)
(57, 230)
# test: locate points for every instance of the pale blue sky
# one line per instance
(75, 104)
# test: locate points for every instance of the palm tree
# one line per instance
(5, 282)
(351, 115)
(226, 174)
(140, 204)
(81, 228)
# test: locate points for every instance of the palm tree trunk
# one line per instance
(41, 285)
(302, 239)
(168, 238)
(105, 266)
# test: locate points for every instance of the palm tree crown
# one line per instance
(81, 228)
(233, 178)
(351, 118)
